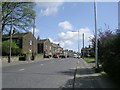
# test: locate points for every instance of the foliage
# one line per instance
(24, 53)
(111, 57)
(89, 60)
(88, 52)
(23, 15)
(109, 53)
(6, 48)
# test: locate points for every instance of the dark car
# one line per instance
(55, 56)
(62, 56)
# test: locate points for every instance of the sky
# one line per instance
(61, 21)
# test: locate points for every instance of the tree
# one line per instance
(23, 15)
(6, 48)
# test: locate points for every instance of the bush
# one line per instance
(23, 56)
(109, 53)
(15, 50)
(111, 56)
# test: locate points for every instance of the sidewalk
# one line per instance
(87, 78)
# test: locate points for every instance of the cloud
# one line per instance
(69, 35)
(87, 33)
(49, 8)
(53, 41)
(65, 25)
(67, 39)
(36, 32)
(49, 11)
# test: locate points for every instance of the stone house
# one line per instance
(57, 49)
(26, 41)
(44, 47)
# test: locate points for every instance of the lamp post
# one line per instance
(96, 40)
(78, 44)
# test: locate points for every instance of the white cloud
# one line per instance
(65, 25)
(67, 39)
(49, 11)
(87, 33)
(66, 43)
(53, 41)
(36, 32)
(69, 35)
(49, 8)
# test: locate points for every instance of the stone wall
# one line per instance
(13, 58)
(39, 57)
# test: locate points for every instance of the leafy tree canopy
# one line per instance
(23, 15)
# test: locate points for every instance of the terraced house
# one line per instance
(26, 41)
(45, 47)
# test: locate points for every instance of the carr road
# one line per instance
(54, 73)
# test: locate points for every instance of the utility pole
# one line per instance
(96, 40)
(9, 58)
(83, 45)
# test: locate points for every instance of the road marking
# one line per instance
(41, 64)
(21, 69)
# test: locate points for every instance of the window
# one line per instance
(30, 42)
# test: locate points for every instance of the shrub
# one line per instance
(111, 56)
(15, 50)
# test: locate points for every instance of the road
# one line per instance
(54, 73)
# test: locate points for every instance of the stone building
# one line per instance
(45, 47)
(26, 41)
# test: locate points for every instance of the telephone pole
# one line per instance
(83, 45)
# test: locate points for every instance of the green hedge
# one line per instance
(15, 50)
(111, 57)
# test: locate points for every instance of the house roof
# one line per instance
(17, 35)
(42, 40)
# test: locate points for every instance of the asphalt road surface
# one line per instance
(54, 73)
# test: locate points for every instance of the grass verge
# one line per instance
(89, 60)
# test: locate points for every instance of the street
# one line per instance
(54, 73)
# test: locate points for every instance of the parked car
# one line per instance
(55, 56)
(62, 56)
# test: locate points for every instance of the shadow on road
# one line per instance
(70, 72)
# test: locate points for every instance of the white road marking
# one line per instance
(41, 64)
(21, 69)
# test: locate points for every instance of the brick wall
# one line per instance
(13, 58)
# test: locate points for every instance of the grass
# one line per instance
(89, 60)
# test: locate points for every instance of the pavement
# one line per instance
(54, 73)
(87, 78)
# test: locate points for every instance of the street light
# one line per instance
(96, 40)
